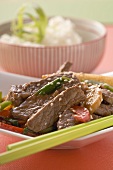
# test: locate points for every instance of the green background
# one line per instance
(101, 10)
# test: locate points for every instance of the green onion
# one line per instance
(13, 122)
(34, 30)
(91, 81)
(29, 132)
(26, 130)
(52, 86)
(106, 86)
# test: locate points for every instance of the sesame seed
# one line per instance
(73, 76)
(49, 78)
(60, 78)
(51, 104)
(58, 82)
(60, 99)
(38, 84)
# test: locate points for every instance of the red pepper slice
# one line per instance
(11, 128)
(81, 114)
(5, 113)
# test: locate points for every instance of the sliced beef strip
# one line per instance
(19, 93)
(33, 103)
(48, 115)
(65, 67)
(66, 119)
(29, 107)
(107, 96)
(104, 110)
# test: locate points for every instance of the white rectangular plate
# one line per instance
(8, 79)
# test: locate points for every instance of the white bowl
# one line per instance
(36, 61)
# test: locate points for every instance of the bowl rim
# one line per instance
(93, 22)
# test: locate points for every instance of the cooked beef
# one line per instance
(94, 116)
(104, 110)
(65, 67)
(19, 93)
(47, 115)
(35, 102)
(29, 106)
(66, 119)
(107, 95)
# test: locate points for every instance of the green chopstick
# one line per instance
(53, 139)
(52, 134)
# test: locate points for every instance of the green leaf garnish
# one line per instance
(17, 26)
(30, 27)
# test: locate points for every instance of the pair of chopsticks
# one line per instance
(41, 143)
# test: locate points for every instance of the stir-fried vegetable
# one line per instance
(4, 104)
(13, 122)
(11, 128)
(0, 96)
(93, 98)
(10, 106)
(52, 86)
(5, 114)
(28, 132)
(33, 29)
(104, 85)
(91, 82)
(82, 114)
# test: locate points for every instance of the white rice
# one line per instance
(59, 31)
